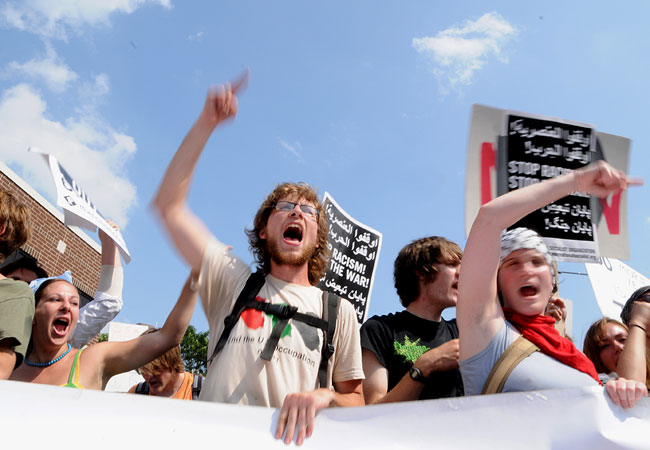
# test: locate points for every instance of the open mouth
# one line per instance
(60, 325)
(528, 290)
(455, 285)
(292, 234)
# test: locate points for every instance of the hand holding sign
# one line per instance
(78, 208)
(110, 254)
(221, 102)
(601, 179)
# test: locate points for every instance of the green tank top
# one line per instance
(73, 379)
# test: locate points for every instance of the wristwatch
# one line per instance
(416, 374)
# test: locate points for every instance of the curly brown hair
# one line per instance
(300, 191)
(15, 220)
(417, 260)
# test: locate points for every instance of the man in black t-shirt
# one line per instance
(413, 354)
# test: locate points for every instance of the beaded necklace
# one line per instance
(49, 363)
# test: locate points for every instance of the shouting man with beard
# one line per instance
(289, 241)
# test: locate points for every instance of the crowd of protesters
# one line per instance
(277, 340)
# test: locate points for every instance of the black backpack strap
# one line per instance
(142, 388)
(197, 383)
(330, 313)
(245, 299)
(283, 313)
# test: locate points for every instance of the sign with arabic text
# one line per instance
(485, 146)
(355, 251)
(537, 148)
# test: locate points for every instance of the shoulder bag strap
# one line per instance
(514, 354)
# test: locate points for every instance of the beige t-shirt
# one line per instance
(238, 374)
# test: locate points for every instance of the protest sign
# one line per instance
(78, 208)
(487, 167)
(535, 149)
(355, 251)
(613, 283)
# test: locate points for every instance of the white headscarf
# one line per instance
(523, 238)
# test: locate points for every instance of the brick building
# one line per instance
(56, 247)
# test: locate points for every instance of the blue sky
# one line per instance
(368, 101)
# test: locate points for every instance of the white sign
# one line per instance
(78, 208)
(610, 217)
(558, 419)
(613, 283)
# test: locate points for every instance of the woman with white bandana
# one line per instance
(505, 284)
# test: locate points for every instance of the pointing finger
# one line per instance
(241, 81)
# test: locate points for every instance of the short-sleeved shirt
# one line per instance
(238, 374)
(398, 340)
(16, 313)
(536, 372)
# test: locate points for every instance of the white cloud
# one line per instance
(459, 52)
(295, 149)
(52, 18)
(50, 68)
(92, 93)
(90, 150)
(196, 36)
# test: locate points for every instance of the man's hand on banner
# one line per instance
(221, 101)
(299, 412)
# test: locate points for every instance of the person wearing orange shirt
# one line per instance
(166, 377)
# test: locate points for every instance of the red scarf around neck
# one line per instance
(540, 331)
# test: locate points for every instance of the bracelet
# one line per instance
(637, 325)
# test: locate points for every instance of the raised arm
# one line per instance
(119, 357)
(478, 312)
(187, 231)
(632, 362)
(107, 302)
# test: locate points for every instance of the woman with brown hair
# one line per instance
(51, 360)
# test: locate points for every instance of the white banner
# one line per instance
(613, 283)
(559, 419)
(78, 209)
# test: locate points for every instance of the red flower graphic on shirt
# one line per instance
(253, 318)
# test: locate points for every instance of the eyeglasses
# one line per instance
(289, 206)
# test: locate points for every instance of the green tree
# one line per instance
(194, 350)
